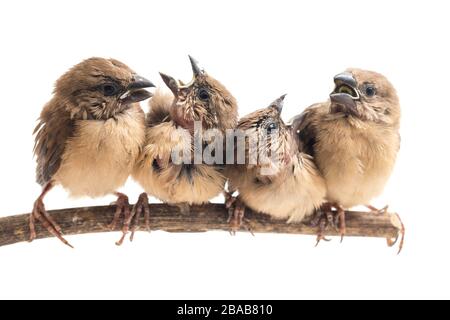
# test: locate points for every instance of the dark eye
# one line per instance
(272, 127)
(370, 91)
(110, 89)
(203, 95)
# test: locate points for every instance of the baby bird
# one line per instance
(89, 135)
(172, 123)
(354, 138)
(277, 178)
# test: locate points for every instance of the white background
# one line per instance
(259, 50)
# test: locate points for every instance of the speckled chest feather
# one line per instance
(171, 183)
(293, 194)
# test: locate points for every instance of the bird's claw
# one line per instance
(320, 238)
(401, 236)
(325, 218)
(340, 220)
(390, 241)
(122, 208)
(236, 219)
(374, 210)
(140, 206)
(40, 213)
(229, 199)
(322, 219)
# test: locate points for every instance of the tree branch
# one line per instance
(14, 229)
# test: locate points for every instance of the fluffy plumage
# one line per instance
(286, 184)
(354, 137)
(100, 155)
(170, 124)
(155, 171)
(204, 99)
(90, 134)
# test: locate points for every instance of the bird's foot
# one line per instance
(326, 217)
(401, 235)
(229, 199)
(236, 217)
(122, 208)
(140, 206)
(340, 219)
(377, 211)
(39, 213)
(390, 242)
(323, 218)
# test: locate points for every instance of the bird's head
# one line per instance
(270, 136)
(366, 95)
(100, 88)
(203, 99)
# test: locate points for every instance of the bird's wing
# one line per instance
(55, 127)
(305, 127)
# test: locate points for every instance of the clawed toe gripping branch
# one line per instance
(208, 217)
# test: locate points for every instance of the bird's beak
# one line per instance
(346, 91)
(196, 69)
(171, 83)
(278, 104)
(135, 90)
(177, 86)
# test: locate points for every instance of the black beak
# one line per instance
(135, 90)
(195, 67)
(140, 83)
(346, 90)
(174, 85)
(278, 104)
(345, 78)
(171, 83)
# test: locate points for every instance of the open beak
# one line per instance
(175, 86)
(346, 92)
(136, 90)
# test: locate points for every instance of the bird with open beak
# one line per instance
(354, 138)
(170, 125)
(283, 181)
(89, 135)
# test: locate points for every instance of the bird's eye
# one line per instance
(109, 89)
(203, 95)
(370, 91)
(272, 127)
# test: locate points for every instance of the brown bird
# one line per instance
(89, 135)
(171, 126)
(354, 138)
(283, 181)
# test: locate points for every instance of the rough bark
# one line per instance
(14, 229)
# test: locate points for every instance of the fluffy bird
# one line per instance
(277, 178)
(354, 138)
(89, 135)
(170, 126)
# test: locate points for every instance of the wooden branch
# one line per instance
(209, 217)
